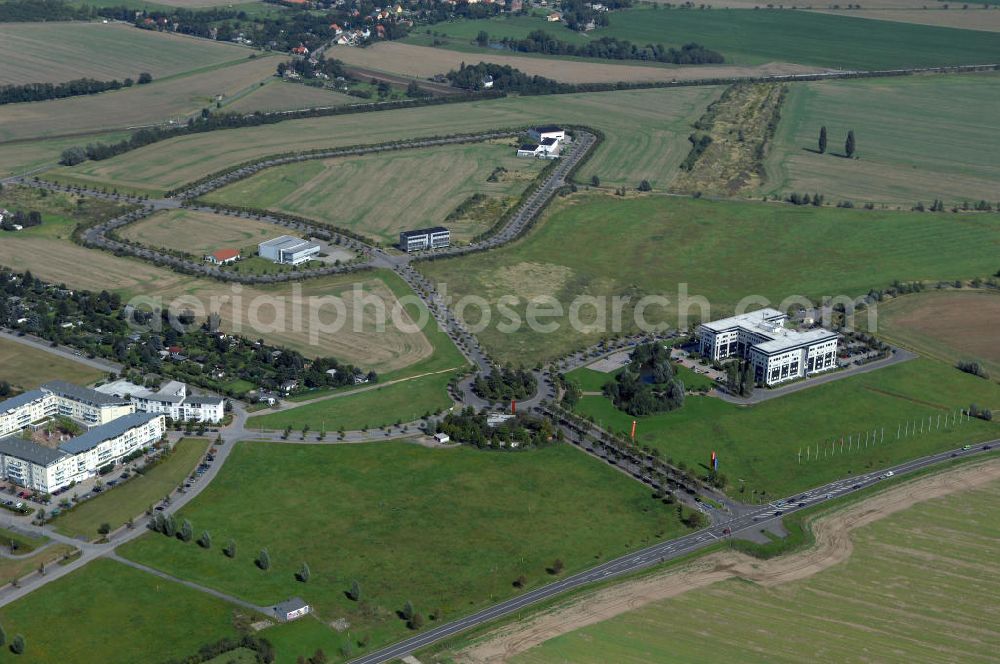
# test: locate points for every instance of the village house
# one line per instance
(223, 256)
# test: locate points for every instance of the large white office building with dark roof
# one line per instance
(777, 353)
(114, 431)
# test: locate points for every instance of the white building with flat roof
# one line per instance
(288, 250)
(171, 399)
(777, 353)
(48, 469)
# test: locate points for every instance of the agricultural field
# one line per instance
(199, 233)
(277, 95)
(132, 498)
(973, 18)
(657, 245)
(26, 368)
(646, 137)
(365, 194)
(409, 58)
(946, 325)
(408, 523)
(885, 596)
(56, 52)
(160, 617)
(172, 99)
(757, 37)
(401, 402)
(22, 156)
(918, 138)
(760, 444)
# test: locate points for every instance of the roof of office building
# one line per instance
(751, 320)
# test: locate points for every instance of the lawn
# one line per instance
(445, 529)
(918, 138)
(199, 233)
(365, 194)
(56, 52)
(646, 133)
(604, 246)
(27, 367)
(946, 325)
(403, 402)
(755, 37)
(760, 444)
(887, 598)
(132, 498)
(590, 380)
(107, 613)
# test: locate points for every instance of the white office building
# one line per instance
(288, 250)
(172, 400)
(777, 353)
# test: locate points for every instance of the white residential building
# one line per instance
(47, 469)
(776, 353)
(288, 250)
(61, 398)
(172, 400)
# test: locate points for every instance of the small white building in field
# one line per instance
(442, 438)
(291, 609)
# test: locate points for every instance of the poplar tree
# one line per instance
(822, 139)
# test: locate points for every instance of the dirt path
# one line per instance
(833, 546)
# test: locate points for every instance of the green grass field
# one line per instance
(918, 138)
(919, 585)
(756, 37)
(26, 367)
(760, 444)
(199, 233)
(446, 529)
(646, 136)
(366, 193)
(948, 325)
(403, 402)
(131, 499)
(589, 380)
(55, 52)
(654, 244)
(107, 613)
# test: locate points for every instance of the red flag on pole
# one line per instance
(513, 407)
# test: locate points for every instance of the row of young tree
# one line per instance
(13, 94)
(607, 48)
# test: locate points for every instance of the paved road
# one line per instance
(654, 555)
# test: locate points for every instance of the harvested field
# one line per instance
(276, 95)
(55, 52)
(965, 19)
(156, 103)
(366, 193)
(740, 126)
(947, 325)
(286, 314)
(426, 61)
(918, 138)
(646, 133)
(19, 157)
(873, 581)
(199, 233)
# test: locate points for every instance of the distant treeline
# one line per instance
(505, 79)
(13, 94)
(611, 48)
